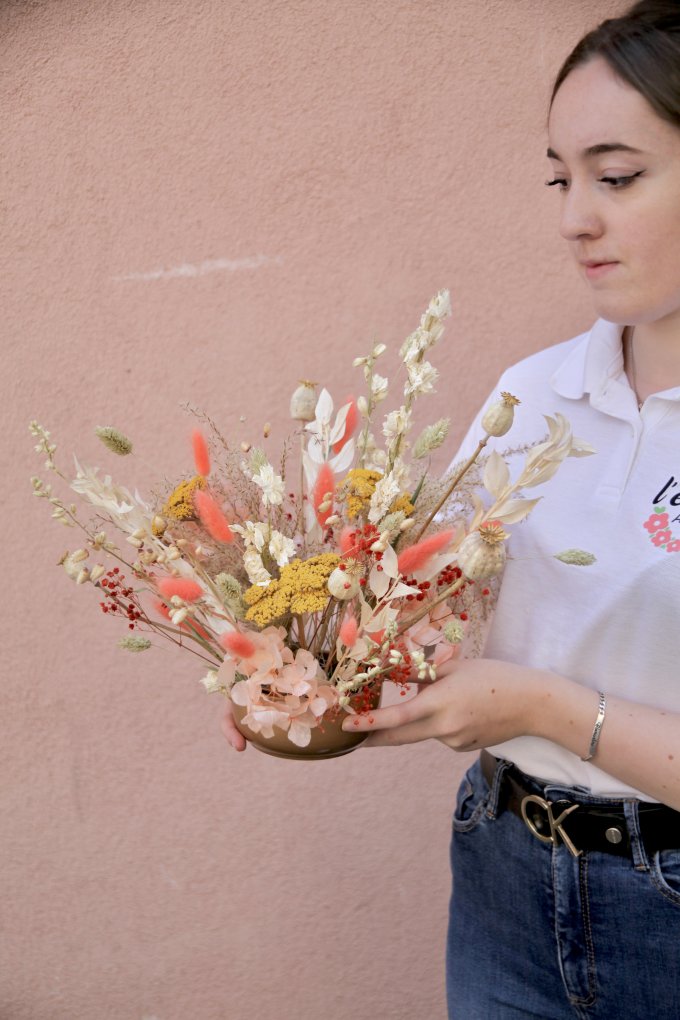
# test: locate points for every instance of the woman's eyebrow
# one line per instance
(599, 150)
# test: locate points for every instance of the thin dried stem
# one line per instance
(452, 485)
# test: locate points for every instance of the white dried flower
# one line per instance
(379, 387)
(397, 423)
(454, 632)
(421, 378)
(281, 548)
(114, 440)
(271, 485)
(255, 568)
(211, 682)
(362, 406)
(378, 350)
(134, 643)
(254, 533)
(97, 571)
(179, 616)
(498, 418)
(83, 576)
(384, 495)
(431, 438)
(440, 305)
(576, 557)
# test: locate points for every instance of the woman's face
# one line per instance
(618, 167)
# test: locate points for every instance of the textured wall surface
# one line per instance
(204, 202)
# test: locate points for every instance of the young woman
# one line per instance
(566, 841)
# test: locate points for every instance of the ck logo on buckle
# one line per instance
(554, 823)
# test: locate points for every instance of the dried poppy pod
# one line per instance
(482, 553)
(344, 584)
(303, 401)
(499, 417)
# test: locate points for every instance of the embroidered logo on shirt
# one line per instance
(657, 524)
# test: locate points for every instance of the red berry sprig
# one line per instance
(118, 597)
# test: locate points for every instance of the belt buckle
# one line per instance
(556, 830)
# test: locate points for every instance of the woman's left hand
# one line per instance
(473, 703)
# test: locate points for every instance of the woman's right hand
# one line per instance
(234, 738)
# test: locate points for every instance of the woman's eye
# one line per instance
(558, 180)
(621, 182)
(615, 182)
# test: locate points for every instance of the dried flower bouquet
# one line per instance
(304, 586)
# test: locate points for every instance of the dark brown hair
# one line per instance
(642, 47)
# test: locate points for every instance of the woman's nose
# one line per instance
(579, 216)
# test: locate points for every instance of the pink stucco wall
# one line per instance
(204, 202)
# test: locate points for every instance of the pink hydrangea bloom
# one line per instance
(428, 634)
(282, 689)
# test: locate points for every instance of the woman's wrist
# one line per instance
(563, 711)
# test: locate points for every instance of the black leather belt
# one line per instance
(581, 827)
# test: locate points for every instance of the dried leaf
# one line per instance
(378, 582)
(511, 511)
(496, 474)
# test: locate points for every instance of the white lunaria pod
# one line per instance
(482, 553)
(498, 418)
(303, 401)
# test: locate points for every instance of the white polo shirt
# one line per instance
(613, 626)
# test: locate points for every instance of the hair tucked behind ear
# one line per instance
(642, 47)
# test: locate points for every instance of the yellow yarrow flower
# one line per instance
(404, 504)
(301, 588)
(358, 487)
(180, 502)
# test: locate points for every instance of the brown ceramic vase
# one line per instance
(328, 740)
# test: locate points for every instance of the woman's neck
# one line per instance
(652, 355)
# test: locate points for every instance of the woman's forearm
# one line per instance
(638, 744)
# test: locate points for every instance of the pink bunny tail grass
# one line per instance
(349, 631)
(212, 517)
(347, 543)
(201, 455)
(161, 608)
(351, 422)
(238, 644)
(182, 586)
(325, 483)
(416, 556)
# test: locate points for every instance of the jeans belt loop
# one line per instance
(557, 832)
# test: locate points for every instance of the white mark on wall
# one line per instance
(167, 877)
(202, 268)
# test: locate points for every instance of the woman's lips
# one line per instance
(594, 270)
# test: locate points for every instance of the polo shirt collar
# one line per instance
(595, 367)
(592, 363)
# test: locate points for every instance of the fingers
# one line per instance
(233, 736)
(410, 733)
(391, 717)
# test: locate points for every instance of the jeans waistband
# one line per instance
(580, 825)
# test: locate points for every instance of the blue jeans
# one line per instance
(536, 932)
